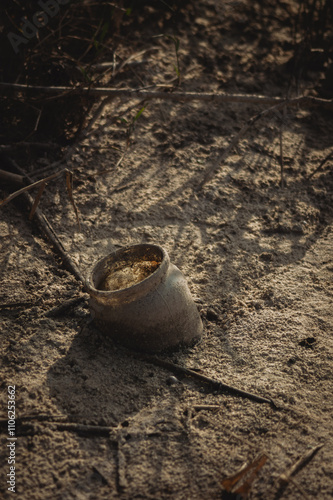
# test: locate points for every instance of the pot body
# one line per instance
(155, 312)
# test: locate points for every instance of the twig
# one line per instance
(30, 186)
(287, 476)
(91, 44)
(61, 425)
(214, 384)
(328, 157)
(48, 230)
(303, 101)
(302, 462)
(211, 170)
(49, 169)
(69, 185)
(62, 308)
(9, 305)
(206, 407)
(281, 160)
(121, 464)
(37, 199)
(113, 65)
(41, 184)
(85, 134)
(24, 144)
(108, 99)
(40, 417)
(99, 473)
(105, 67)
(86, 430)
(80, 429)
(13, 178)
(39, 114)
(281, 149)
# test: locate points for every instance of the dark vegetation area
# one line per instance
(70, 44)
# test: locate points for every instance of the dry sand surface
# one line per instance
(257, 257)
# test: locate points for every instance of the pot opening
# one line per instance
(128, 270)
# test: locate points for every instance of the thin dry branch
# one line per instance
(214, 384)
(80, 429)
(30, 186)
(304, 460)
(121, 465)
(64, 307)
(281, 158)
(13, 178)
(141, 93)
(69, 185)
(48, 230)
(40, 417)
(288, 476)
(322, 163)
(206, 407)
(9, 305)
(26, 144)
(41, 184)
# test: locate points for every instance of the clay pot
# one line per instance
(142, 301)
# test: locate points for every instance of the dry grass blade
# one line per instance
(303, 101)
(69, 184)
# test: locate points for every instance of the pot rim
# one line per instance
(126, 293)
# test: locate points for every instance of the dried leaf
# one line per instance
(230, 482)
(244, 489)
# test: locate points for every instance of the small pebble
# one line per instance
(172, 380)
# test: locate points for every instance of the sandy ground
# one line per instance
(257, 257)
